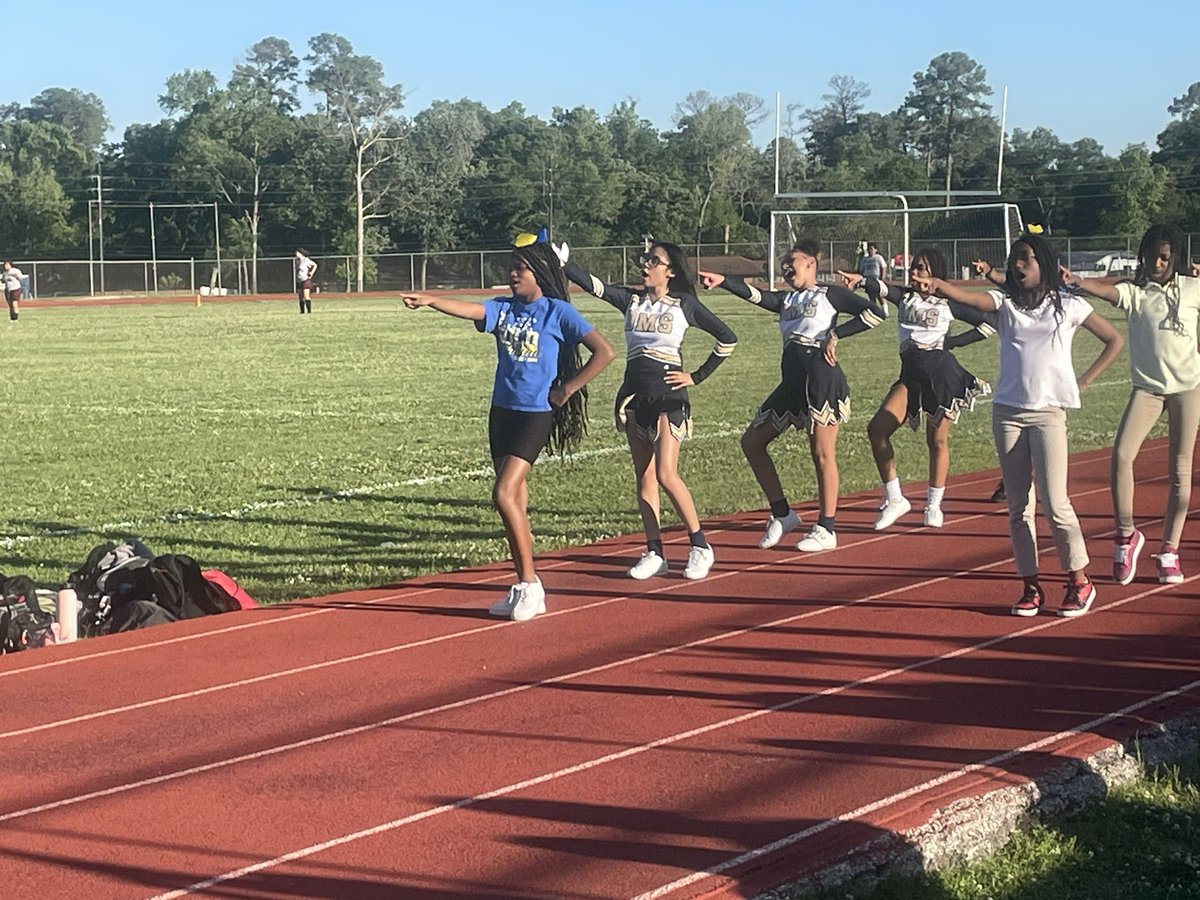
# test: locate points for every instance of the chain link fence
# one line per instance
(488, 269)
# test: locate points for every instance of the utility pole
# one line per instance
(548, 188)
(100, 217)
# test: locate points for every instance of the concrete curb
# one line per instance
(973, 826)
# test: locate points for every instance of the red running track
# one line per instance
(667, 738)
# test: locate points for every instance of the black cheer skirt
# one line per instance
(811, 392)
(644, 398)
(938, 385)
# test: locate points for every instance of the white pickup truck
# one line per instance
(1112, 265)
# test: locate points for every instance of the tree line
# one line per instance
(356, 176)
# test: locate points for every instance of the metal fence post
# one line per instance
(33, 288)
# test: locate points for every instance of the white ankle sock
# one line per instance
(892, 489)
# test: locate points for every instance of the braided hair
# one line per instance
(570, 419)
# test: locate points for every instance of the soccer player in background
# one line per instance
(14, 280)
(305, 269)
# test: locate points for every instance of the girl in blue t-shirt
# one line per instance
(538, 398)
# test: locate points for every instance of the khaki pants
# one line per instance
(1032, 446)
(1142, 411)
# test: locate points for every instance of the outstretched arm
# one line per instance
(1113, 342)
(611, 294)
(460, 309)
(988, 271)
(766, 299)
(878, 290)
(978, 299)
(1108, 292)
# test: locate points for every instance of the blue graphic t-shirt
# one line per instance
(528, 339)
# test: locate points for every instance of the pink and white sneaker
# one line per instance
(1126, 551)
(1168, 567)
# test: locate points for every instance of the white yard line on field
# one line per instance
(201, 515)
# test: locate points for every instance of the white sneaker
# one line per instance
(820, 538)
(777, 528)
(891, 511)
(502, 609)
(700, 560)
(530, 603)
(933, 516)
(648, 566)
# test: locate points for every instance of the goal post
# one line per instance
(960, 233)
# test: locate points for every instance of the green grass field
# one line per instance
(311, 454)
(1142, 841)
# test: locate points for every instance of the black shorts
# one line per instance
(524, 435)
(302, 286)
(13, 296)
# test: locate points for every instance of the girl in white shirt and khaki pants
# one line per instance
(1036, 322)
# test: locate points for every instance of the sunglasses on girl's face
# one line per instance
(787, 270)
(652, 261)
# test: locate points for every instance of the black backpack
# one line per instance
(22, 622)
(90, 581)
(173, 582)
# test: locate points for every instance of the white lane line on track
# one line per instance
(883, 803)
(395, 648)
(408, 594)
(470, 701)
(669, 740)
(481, 698)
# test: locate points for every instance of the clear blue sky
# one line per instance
(1096, 69)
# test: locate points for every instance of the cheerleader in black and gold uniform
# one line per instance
(931, 382)
(652, 406)
(813, 393)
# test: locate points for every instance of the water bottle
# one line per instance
(67, 612)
